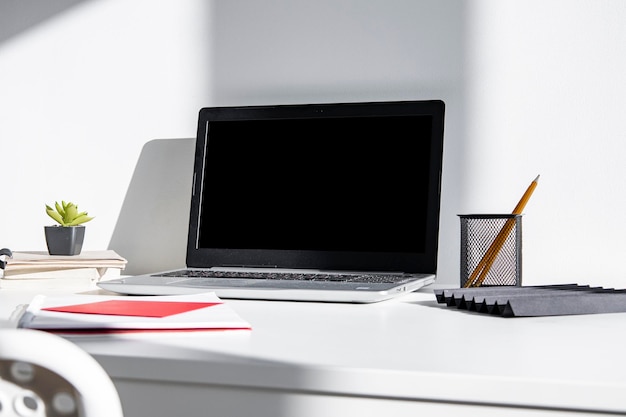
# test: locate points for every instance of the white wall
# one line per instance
(91, 92)
(546, 94)
(84, 85)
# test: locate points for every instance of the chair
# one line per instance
(42, 374)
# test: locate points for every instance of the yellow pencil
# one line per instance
(482, 269)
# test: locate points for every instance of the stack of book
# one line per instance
(39, 270)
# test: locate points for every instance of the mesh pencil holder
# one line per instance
(491, 250)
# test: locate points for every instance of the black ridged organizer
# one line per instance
(533, 301)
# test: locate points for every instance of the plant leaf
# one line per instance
(56, 216)
(59, 208)
(80, 220)
(71, 213)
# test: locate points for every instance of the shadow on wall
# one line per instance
(17, 16)
(151, 231)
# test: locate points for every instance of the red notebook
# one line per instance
(106, 313)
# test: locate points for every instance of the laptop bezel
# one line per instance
(425, 262)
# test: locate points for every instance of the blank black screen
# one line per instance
(357, 184)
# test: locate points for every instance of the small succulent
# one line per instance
(67, 214)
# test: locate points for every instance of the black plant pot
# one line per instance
(64, 240)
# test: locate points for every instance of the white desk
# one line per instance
(405, 357)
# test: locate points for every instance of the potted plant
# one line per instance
(65, 238)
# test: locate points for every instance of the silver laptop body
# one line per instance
(334, 202)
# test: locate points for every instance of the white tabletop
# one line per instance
(411, 348)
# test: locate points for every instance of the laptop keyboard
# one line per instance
(366, 278)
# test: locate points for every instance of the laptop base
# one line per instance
(279, 290)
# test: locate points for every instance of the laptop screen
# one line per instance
(325, 186)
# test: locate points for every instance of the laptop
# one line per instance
(335, 202)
